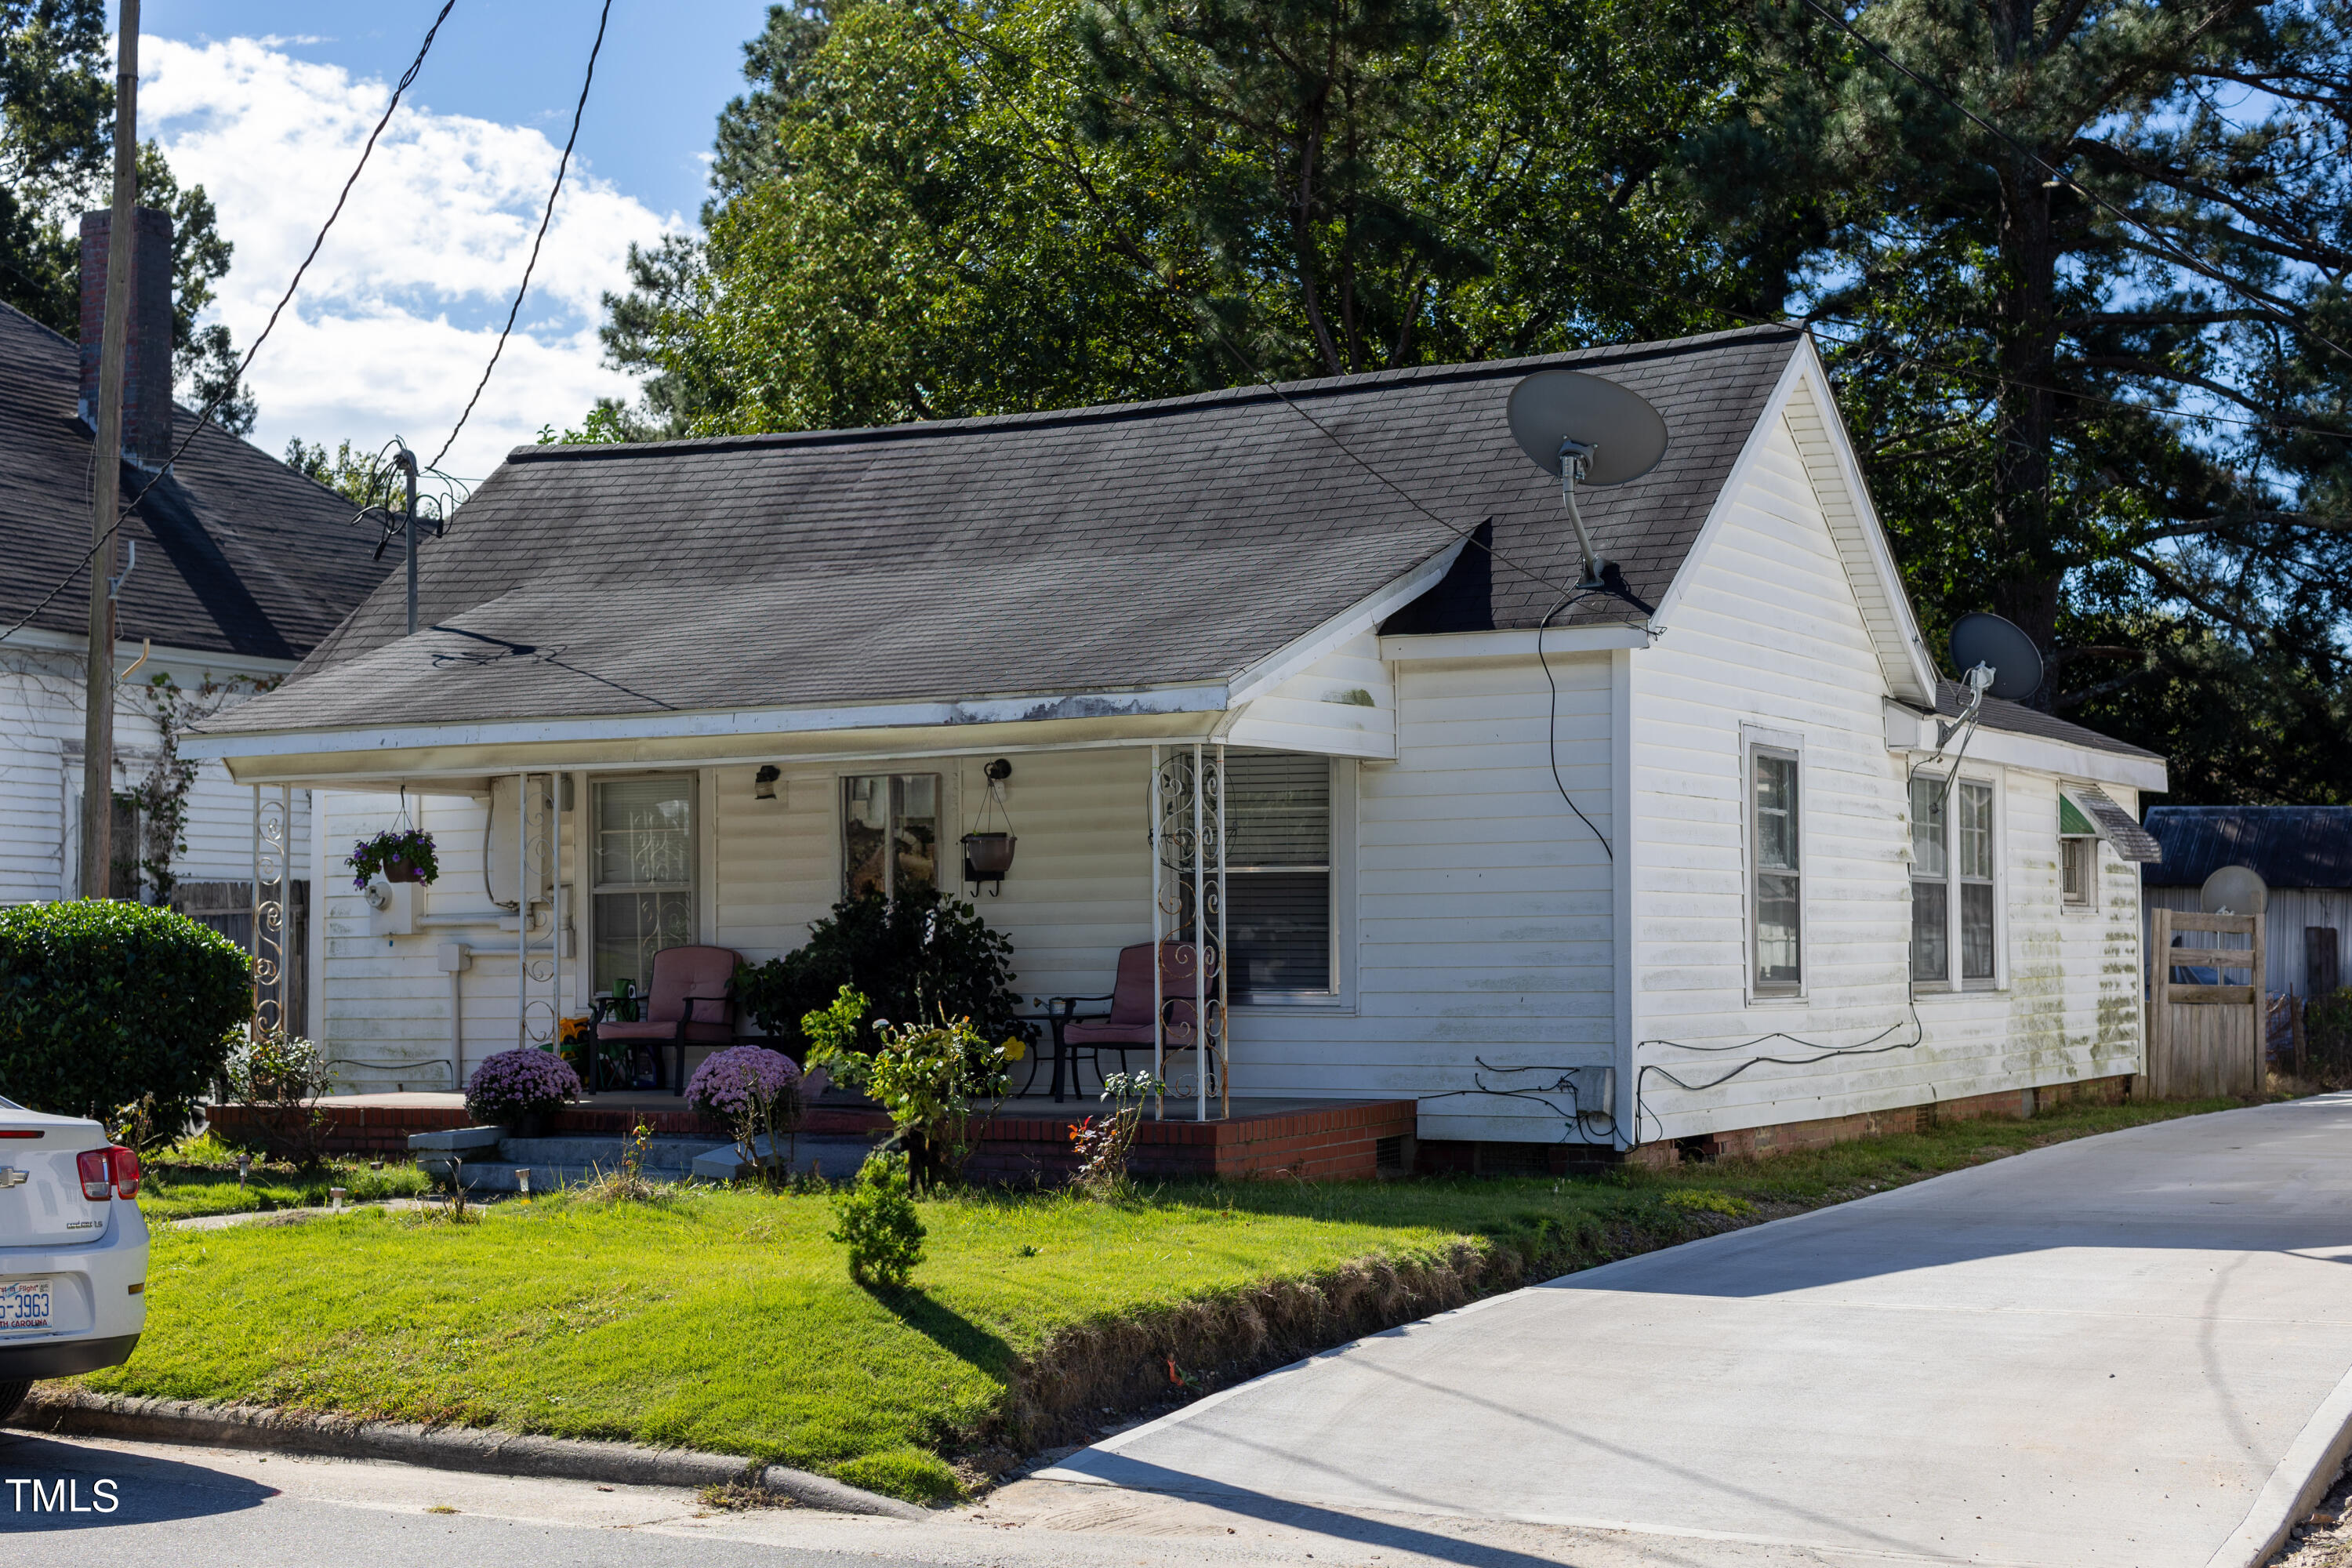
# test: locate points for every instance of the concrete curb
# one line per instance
(2302, 1479)
(80, 1413)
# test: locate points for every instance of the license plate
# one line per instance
(24, 1304)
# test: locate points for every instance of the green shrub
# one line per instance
(2327, 1029)
(874, 1218)
(102, 1002)
(918, 957)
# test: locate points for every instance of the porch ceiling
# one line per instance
(464, 768)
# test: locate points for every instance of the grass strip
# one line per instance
(725, 1320)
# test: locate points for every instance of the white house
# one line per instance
(237, 566)
(1610, 869)
(2303, 856)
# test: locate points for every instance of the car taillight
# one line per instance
(108, 1172)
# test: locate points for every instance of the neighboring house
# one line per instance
(242, 566)
(2303, 852)
(768, 669)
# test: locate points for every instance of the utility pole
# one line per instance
(106, 472)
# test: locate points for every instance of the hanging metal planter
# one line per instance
(987, 856)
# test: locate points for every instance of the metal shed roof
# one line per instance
(2287, 845)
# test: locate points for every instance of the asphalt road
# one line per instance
(197, 1508)
(2103, 1351)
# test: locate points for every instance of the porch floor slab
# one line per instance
(1028, 1140)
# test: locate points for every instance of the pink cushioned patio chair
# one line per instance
(691, 1001)
(1126, 1026)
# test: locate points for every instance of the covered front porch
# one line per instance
(558, 887)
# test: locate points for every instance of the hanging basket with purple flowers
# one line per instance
(403, 855)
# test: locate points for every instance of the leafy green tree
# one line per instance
(930, 208)
(56, 117)
(2077, 392)
(362, 477)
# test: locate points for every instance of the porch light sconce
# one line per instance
(987, 856)
(764, 782)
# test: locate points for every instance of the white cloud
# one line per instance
(397, 316)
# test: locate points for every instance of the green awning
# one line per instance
(2072, 822)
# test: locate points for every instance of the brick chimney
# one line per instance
(147, 354)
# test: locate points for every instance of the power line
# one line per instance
(547, 216)
(2163, 245)
(407, 78)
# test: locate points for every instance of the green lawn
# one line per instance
(173, 1190)
(726, 1319)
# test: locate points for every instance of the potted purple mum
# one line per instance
(521, 1088)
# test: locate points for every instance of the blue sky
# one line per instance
(666, 71)
(266, 103)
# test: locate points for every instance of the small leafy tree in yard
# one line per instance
(933, 1080)
(918, 956)
(103, 1001)
(1103, 1146)
(281, 1076)
(874, 1218)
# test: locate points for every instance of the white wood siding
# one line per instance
(1342, 705)
(1768, 632)
(40, 773)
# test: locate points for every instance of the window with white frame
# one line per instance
(1278, 894)
(1775, 872)
(642, 874)
(2078, 856)
(1955, 882)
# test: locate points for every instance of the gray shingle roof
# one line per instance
(238, 553)
(1122, 547)
(2287, 845)
(1952, 701)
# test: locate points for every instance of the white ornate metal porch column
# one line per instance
(273, 976)
(538, 849)
(1188, 910)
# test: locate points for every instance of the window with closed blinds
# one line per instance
(1278, 926)
(642, 867)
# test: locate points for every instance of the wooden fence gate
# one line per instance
(2205, 1038)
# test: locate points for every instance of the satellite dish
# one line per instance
(2234, 891)
(1988, 640)
(1622, 435)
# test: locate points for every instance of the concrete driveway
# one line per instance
(2133, 1350)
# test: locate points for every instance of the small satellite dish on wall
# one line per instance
(1982, 641)
(2234, 891)
(1588, 431)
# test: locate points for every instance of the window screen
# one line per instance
(642, 875)
(1278, 873)
(1976, 867)
(1931, 888)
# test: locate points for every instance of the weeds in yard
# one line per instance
(730, 1497)
(1103, 1147)
(629, 1184)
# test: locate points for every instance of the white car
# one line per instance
(73, 1250)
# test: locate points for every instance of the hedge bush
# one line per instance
(102, 1002)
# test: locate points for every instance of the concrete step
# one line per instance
(662, 1153)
